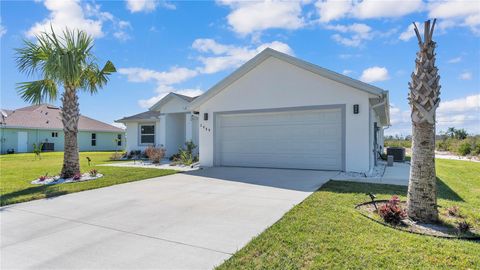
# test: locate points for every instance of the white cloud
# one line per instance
(248, 17)
(67, 13)
(460, 113)
(163, 90)
(358, 32)
(330, 10)
(374, 74)
(172, 76)
(121, 31)
(224, 57)
(147, 5)
(456, 13)
(70, 14)
(368, 9)
(347, 72)
(467, 75)
(455, 60)
(3, 30)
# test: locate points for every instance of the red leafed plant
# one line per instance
(43, 177)
(93, 172)
(77, 176)
(392, 212)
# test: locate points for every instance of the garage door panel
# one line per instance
(308, 139)
(280, 161)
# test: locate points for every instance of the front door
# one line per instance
(22, 142)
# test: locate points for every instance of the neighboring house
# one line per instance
(275, 111)
(278, 111)
(168, 124)
(21, 128)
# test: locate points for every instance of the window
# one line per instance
(94, 139)
(119, 139)
(54, 134)
(147, 134)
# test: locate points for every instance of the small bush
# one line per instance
(155, 154)
(463, 227)
(454, 211)
(93, 172)
(116, 156)
(185, 155)
(392, 212)
(464, 149)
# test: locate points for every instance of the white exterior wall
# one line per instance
(132, 135)
(276, 84)
(174, 105)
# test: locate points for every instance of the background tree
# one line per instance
(62, 61)
(424, 100)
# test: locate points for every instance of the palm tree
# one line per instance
(424, 100)
(62, 61)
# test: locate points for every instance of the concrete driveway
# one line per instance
(191, 220)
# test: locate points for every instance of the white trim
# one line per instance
(268, 52)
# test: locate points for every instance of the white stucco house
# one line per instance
(278, 111)
(168, 124)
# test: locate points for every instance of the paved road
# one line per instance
(192, 220)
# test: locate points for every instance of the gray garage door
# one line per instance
(297, 139)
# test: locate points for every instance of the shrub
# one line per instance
(155, 154)
(93, 172)
(464, 148)
(116, 156)
(463, 226)
(185, 155)
(392, 212)
(454, 211)
(43, 177)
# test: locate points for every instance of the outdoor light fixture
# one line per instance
(356, 108)
(205, 116)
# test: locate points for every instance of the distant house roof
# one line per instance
(141, 116)
(45, 116)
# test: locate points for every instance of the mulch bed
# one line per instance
(368, 210)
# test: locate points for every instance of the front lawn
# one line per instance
(326, 232)
(18, 170)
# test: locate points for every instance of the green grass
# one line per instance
(18, 170)
(326, 232)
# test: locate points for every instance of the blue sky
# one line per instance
(188, 46)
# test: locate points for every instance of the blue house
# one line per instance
(21, 128)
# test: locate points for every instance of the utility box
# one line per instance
(398, 153)
(389, 161)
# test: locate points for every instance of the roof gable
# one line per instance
(168, 97)
(265, 54)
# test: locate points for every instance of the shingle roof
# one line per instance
(46, 116)
(140, 116)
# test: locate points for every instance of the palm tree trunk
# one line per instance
(424, 98)
(70, 116)
(422, 188)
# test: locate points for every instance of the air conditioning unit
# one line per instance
(398, 153)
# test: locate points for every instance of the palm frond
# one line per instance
(38, 91)
(65, 59)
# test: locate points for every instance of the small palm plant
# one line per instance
(62, 61)
(37, 150)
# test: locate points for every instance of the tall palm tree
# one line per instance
(424, 98)
(62, 61)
